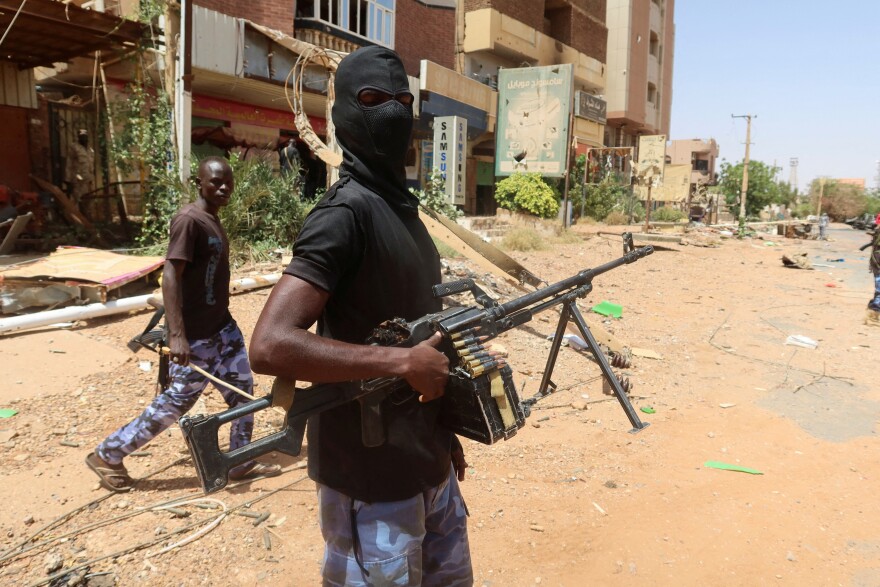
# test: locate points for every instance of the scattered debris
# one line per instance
(606, 308)
(797, 261)
(801, 341)
(729, 467)
(7, 412)
(598, 507)
(646, 353)
(726, 405)
(648, 409)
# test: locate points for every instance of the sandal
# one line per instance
(114, 479)
(255, 469)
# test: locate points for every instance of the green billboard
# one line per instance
(534, 113)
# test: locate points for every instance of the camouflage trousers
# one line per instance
(874, 304)
(224, 355)
(418, 541)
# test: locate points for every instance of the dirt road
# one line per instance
(574, 499)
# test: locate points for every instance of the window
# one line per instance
(652, 93)
(654, 46)
(371, 19)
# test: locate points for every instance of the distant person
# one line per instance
(823, 227)
(290, 159)
(874, 265)
(201, 331)
(79, 171)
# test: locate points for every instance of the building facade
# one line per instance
(700, 155)
(641, 39)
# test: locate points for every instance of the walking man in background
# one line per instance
(200, 330)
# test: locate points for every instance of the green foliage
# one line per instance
(527, 192)
(433, 197)
(149, 10)
(762, 190)
(599, 200)
(616, 218)
(788, 194)
(144, 144)
(522, 239)
(265, 211)
(872, 201)
(667, 214)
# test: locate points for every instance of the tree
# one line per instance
(839, 200)
(763, 190)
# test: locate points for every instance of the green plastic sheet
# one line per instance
(607, 308)
(647, 409)
(729, 467)
(7, 412)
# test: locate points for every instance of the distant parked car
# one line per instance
(864, 222)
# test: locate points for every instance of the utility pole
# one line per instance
(745, 184)
(821, 194)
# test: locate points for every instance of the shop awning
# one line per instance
(47, 32)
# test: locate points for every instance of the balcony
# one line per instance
(490, 31)
(656, 17)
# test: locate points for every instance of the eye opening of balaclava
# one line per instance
(374, 139)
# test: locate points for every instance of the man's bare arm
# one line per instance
(172, 298)
(282, 346)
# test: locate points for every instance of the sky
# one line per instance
(809, 70)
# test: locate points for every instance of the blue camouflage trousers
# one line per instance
(874, 304)
(224, 355)
(418, 541)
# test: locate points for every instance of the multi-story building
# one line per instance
(494, 34)
(700, 155)
(641, 38)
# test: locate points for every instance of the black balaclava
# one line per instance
(374, 139)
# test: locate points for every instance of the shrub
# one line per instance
(265, 211)
(667, 214)
(523, 239)
(527, 192)
(434, 198)
(616, 217)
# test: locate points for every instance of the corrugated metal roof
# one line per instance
(46, 32)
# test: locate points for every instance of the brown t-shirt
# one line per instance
(198, 238)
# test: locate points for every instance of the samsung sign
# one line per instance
(450, 140)
(590, 107)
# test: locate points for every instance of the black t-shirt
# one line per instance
(198, 238)
(377, 262)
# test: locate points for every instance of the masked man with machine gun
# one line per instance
(363, 256)
(365, 269)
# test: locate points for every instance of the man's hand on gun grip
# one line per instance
(427, 369)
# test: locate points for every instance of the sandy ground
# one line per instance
(574, 498)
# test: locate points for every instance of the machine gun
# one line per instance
(480, 400)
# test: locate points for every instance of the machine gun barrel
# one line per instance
(584, 277)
